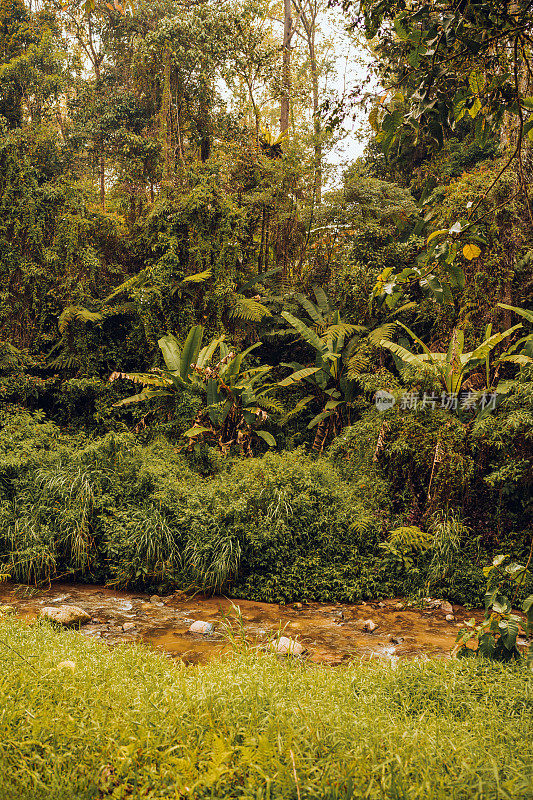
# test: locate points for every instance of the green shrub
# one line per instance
(279, 528)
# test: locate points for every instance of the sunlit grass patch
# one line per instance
(128, 722)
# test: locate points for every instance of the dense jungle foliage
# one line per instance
(226, 364)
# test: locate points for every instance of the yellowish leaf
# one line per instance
(434, 234)
(471, 251)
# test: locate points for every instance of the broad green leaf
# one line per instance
(487, 645)
(475, 108)
(332, 404)
(267, 437)
(196, 430)
(477, 81)
(140, 398)
(511, 632)
(524, 312)
(257, 279)
(489, 344)
(319, 417)
(171, 352)
(307, 334)
(190, 351)
(435, 234)
(311, 309)
(417, 340)
(206, 353)
(198, 277)
(322, 299)
(298, 376)
(232, 369)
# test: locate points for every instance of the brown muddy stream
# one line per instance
(330, 633)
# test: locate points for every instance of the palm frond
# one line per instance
(269, 404)
(410, 537)
(300, 405)
(132, 283)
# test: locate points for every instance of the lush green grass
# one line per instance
(128, 723)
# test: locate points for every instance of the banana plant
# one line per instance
(329, 377)
(453, 367)
(237, 400)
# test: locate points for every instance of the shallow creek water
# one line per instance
(331, 633)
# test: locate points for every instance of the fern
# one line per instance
(386, 331)
(357, 365)
(249, 310)
(270, 404)
(410, 537)
(339, 331)
(77, 314)
(12, 359)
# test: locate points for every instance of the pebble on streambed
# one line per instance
(206, 628)
(65, 615)
(287, 647)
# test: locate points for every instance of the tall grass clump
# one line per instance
(81, 721)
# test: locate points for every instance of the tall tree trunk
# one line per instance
(204, 121)
(101, 172)
(316, 117)
(166, 118)
(286, 67)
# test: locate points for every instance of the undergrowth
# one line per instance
(284, 527)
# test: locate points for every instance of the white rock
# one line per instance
(369, 625)
(128, 626)
(65, 615)
(450, 618)
(446, 607)
(285, 646)
(202, 627)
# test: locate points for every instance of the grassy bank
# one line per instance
(129, 723)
